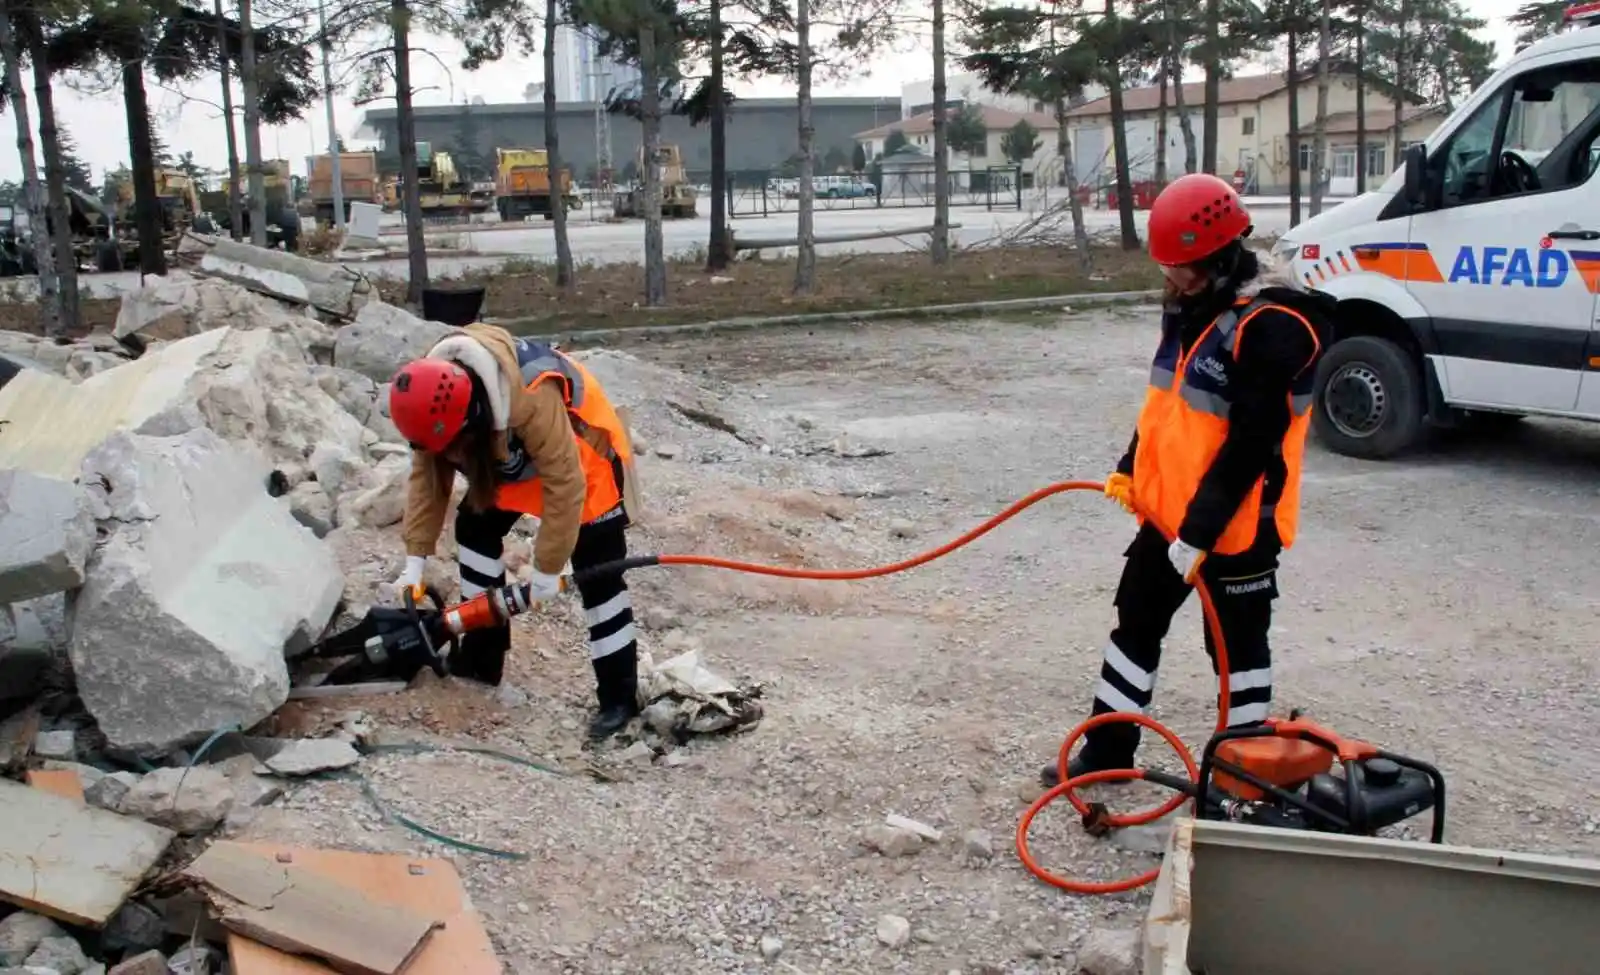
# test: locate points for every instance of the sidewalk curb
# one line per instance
(837, 317)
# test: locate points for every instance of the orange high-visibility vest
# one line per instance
(1185, 420)
(588, 408)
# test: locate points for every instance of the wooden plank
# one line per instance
(62, 782)
(429, 887)
(294, 909)
(70, 861)
(1166, 928)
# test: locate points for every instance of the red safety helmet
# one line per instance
(428, 401)
(1193, 218)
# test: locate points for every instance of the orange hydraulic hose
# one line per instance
(1066, 787)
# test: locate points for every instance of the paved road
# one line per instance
(607, 243)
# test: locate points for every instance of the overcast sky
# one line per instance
(97, 122)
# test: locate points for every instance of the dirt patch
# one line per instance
(610, 296)
(523, 293)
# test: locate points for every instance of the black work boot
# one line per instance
(617, 689)
(1083, 763)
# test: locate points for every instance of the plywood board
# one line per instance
(61, 782)
(285, 905)
(70, 861)
(429, 887)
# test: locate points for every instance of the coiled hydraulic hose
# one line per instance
(1066, 786)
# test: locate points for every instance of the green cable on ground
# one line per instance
(418, 748)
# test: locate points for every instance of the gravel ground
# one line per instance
(1441, 606)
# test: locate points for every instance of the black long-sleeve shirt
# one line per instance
(1274, 349)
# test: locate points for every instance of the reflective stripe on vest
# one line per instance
(1185, 421)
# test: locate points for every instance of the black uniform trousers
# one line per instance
(607, 605)
(1242, 587)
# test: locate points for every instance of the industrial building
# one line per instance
(763, 133)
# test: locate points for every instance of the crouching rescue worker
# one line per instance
(533, 434)
(1215, 458)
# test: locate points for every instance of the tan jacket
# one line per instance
(538, 417)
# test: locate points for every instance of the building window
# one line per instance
(1249, 126)
(1306, 154)
(1344, 162)
(1377, 159)
(980, 151)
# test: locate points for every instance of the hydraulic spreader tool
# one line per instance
(1285, 773)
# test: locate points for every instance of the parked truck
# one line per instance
(522, 184)
(442, 189)
(677, 193)
(283, 219)
(358, 181)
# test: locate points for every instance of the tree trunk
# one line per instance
(55, 177)
(1361, 98)
(32, 189)
(655, 250)
(940, 246)
(250, 84)
(805, 269)
(1069, 172)
(565, 273)
(1293, 79)
(1319, 150)
(1119, 134)
(146, 207)
(1400, 79)
(1161, 121)
(1208, 161)
(235, 204)
(718, 254)
(406, 131)
(1185, 123)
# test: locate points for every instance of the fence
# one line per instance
(884, 187)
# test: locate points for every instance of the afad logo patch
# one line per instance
(1510, 265)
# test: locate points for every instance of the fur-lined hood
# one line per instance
(1272, 274)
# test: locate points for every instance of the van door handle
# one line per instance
(1574, 235)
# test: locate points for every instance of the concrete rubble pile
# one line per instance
(170, 523)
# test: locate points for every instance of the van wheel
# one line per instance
(1369, 398)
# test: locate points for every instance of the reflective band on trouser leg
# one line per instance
(478, 572)
(1249, 695)
(611, 626)
(1124, 685)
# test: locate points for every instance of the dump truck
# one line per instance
(358, 181)
(522, 184)
(283, 219)
(677, 193)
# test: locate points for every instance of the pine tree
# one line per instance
(79, 176)
(466, 145)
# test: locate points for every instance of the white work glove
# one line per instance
(1186, 559)
(542, 587)
(411, 578)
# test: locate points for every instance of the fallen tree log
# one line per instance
(765, 243)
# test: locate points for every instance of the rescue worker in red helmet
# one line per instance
(533, 434)
(1215, 457)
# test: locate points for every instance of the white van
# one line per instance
(1467, 283)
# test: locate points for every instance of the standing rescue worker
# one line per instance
(1215, 458)
(534, 434)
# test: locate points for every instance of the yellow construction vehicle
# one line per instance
(522, 184)
(442, 189)
(677, 193)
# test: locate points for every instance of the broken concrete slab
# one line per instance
(330, 288)
(189, 800)
(308, 756)
(108, 791)
(250, 386)
(69, 860)
(384, 503)
(60, 954)
(148, 963)
(178, 305)
(219, 577)
(61, 745)
(382, 339)
(46, 533)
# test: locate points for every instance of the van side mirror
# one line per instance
(1416, 162)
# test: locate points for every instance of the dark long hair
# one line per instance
(475, 449)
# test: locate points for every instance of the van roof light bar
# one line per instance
(1582, 14)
